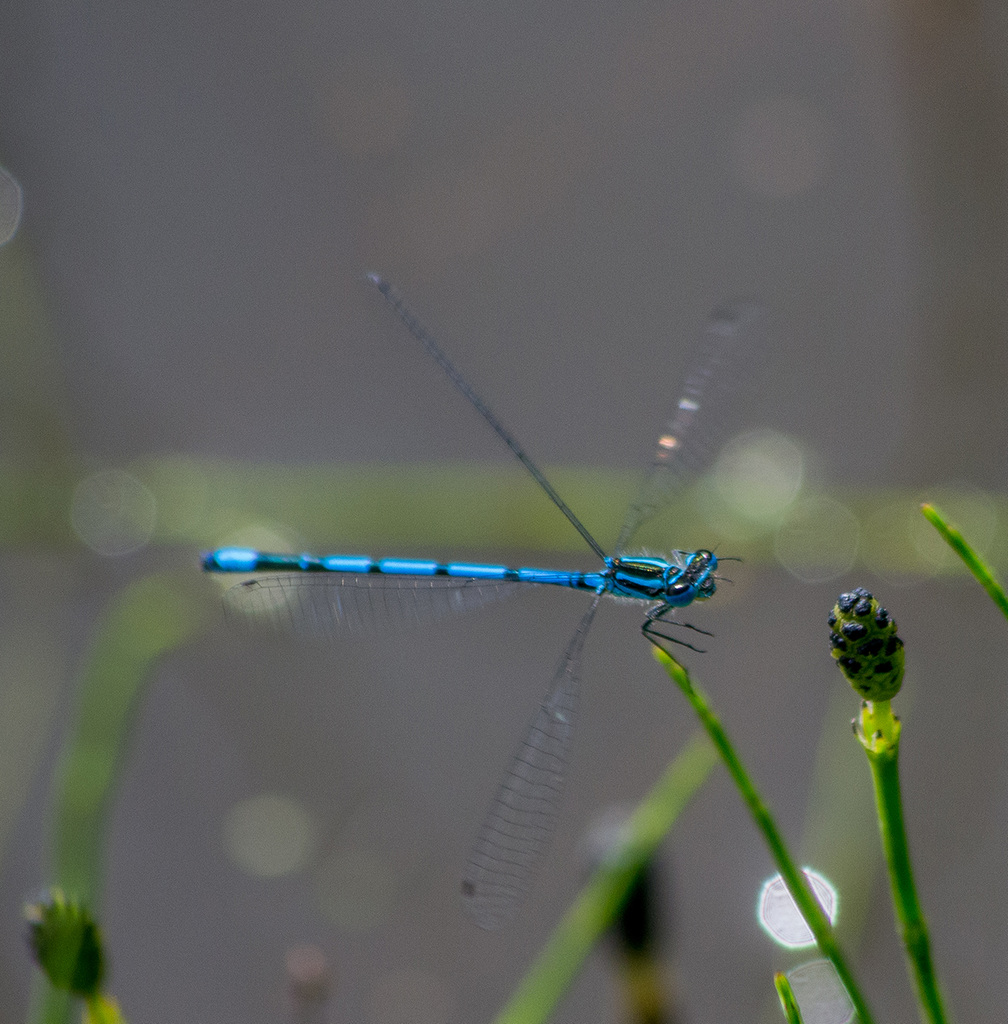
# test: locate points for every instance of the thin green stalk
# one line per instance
(961, 547)
(879, 735)
(792, 1011)
(794, 879)
(596, 907)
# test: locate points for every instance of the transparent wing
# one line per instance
(705, 413)
(522, 817)
(323, 604)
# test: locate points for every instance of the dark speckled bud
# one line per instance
(864, 643)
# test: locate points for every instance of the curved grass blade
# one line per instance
(958, 543)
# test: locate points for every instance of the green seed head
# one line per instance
(66, 944)
(864, 643)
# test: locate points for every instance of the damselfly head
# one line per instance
(700, 573)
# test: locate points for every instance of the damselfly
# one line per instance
(318, 595)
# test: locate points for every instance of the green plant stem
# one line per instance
(789, 1005)
(974, 563)
(879, 735)
(596, 907)
(797, 884)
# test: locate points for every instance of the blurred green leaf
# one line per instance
(66, 944)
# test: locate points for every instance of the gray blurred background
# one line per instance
(563, 193)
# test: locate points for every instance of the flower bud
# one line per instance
(66, 944)
(864, 643)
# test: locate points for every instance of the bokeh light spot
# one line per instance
(269, 836)
(754, 481)
(113, 513)
(780, 917)
(819, 539)
(821, 997)
(309, 979)
(11, 205)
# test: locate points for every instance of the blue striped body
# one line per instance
(670, 584)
